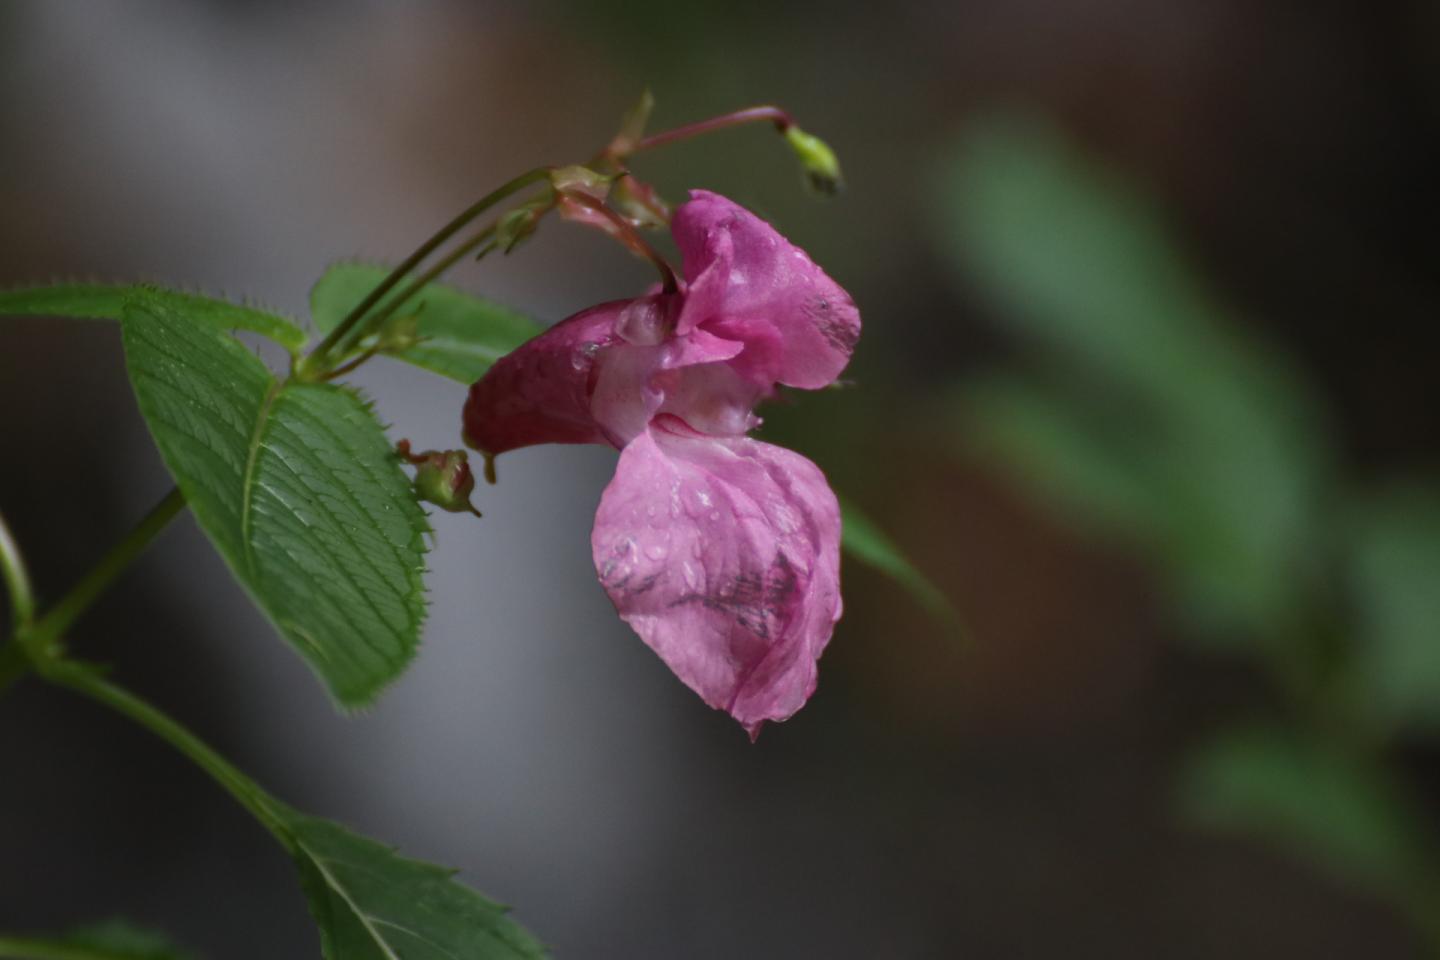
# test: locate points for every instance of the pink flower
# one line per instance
(722, 552)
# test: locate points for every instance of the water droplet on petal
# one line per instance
(584, 355)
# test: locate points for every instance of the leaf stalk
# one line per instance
(85, 680)
(53, 624)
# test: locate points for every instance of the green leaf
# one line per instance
(106, 301)
(1089, 465)
(1192, 435)
(1395, 570)
(1328, 807)
(111, 940)
(121, 939)
(866, 542)
(1085, 265)
(298, 488)
(372, 904)
(462, 335)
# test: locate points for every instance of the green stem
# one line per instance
(17, 580)
(319, 354)
(94, 583)
(87, 682)
(430, 275)
(23, 948)
(350, 365)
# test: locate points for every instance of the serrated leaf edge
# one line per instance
(362, 699)
(126, 290)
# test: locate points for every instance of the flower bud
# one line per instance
(822, 168)
(442, 477)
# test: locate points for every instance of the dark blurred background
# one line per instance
(1142, 389)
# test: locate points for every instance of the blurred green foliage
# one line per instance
(110, 940)
(117, 938)
(1395, 566)
(1143, 409)
(864, 540)
(1319, 801)
(1143, 404)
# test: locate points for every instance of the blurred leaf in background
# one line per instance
(110, 940)
(1395, 570)
(118, 938)
(1146, 409)
(864, 540)
(1336, 810)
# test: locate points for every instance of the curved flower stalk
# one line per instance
(721, 551)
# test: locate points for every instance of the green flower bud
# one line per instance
(442, 477)
(821, 166)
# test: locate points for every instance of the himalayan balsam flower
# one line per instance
(722, 552)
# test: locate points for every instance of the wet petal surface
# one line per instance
(723, 555)
(748, 283)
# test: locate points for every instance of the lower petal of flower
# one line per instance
(723, 555)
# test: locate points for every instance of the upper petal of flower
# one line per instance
(748, 283)
(723, 555)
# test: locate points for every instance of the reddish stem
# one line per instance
(626, 233)
(782, 120)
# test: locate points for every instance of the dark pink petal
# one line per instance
(540, 392)
(748, 283)
(723, 555)
(593, 378)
